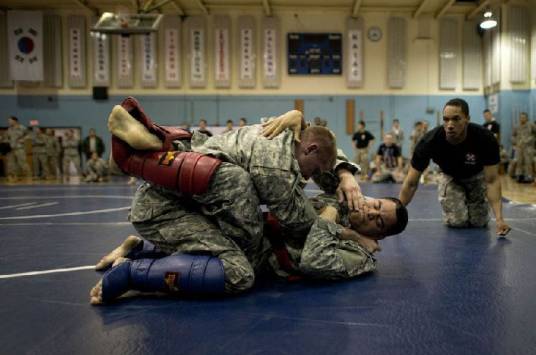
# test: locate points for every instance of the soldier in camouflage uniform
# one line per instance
(70, 153)
(176, 224)
(96, 169)
(39, 154)
(16, 135)
(524, 137)
(53, 152)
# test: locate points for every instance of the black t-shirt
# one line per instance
(362, 139)
(389, 155)
(493, 127)
(463, 160)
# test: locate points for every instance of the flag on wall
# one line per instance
(25, 31)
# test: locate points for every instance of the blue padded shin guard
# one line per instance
(183, 273)
(116, 281)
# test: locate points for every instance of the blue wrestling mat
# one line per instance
(436, 290)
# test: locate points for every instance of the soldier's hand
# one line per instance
(502, 228)
(350, 191)
(292, 119)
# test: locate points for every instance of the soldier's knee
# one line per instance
(239, 276)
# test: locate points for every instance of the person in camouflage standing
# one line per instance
(71, 153)
(16, 134)
(524, 137)
(53, 152)
(39, 154)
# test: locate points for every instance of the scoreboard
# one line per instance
(314, 53)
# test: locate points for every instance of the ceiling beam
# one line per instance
(477, 9)
(202, 6)
(444, 9)
(177, 6)
(85, 5)
(266, 7)
(420, 8)
(355, 7)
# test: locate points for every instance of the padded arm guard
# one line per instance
(181, 273)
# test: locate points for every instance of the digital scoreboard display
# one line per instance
(314, 53)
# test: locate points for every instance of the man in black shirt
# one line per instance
(363, 139)
(468, 156)
(490, 124)
(388, 161)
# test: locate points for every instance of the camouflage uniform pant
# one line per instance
(40, 165)
(232, 202)
(67, 159)
(177, 225)
(17, 162)
(362, 159)
(524, 159)
(464, 201)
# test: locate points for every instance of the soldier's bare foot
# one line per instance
(120, 252)
(95, 295)
(125, 127)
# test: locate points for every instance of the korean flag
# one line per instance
(25, 33)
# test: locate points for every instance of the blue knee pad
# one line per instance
(181, 273)
(145, 249)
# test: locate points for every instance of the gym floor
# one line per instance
(436, 290)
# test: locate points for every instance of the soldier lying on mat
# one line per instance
(202, 210)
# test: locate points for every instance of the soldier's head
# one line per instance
(487, 115)
(92, 132)
(316, 152)
(379, 217)
(50, 131)
(94, 156)
(523, 118)
(69, 133)
(202, 124)
(455, 120)
(396, 123)
(229, 124)
(242, 122)
(13, 121)
(388, 139)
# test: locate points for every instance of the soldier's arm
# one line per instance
(494, 194)
(327, 255)
(410, 185)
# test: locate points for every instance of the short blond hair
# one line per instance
(324, 138)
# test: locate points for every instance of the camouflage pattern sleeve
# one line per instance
(325, 256)
(329, 181)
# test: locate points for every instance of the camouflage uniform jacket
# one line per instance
(70, 146)
(524, 135)
(15, 136)
(273, 169)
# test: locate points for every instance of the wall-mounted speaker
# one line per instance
(100, 93)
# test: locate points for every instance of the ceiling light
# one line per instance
(488, 20)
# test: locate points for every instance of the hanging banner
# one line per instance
(101, 60)
(222, 66)
(246, 40)
(25, 37)
(270, 52)
(147, 49)
(196, 25)
(172, 53)
(76, 31)
(125, 77)
(354, 74)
